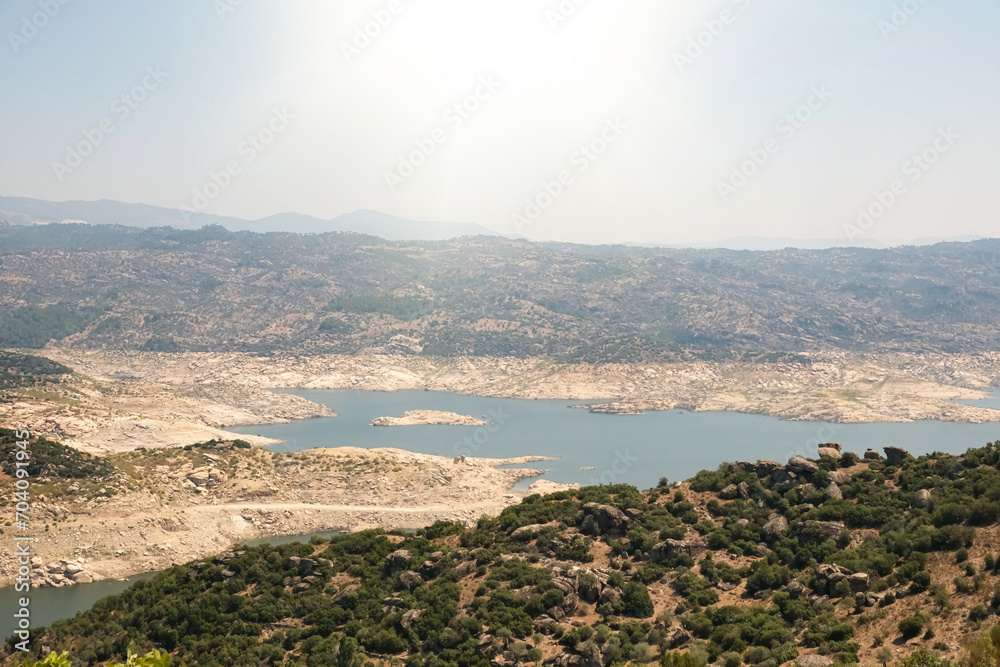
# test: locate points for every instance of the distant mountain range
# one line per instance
(767, 243)
(25, 211)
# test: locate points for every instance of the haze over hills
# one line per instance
(25, 211)
(28, 211)
(210, 289)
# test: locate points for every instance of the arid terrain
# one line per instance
(170, 506)
(138, 408)
(118, 401)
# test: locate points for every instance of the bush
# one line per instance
(911, 626)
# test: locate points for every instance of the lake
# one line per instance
(594, 448)
(636, 449)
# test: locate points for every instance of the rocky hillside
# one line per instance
(839, 559)
(213, 290)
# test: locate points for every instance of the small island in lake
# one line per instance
(427, 417)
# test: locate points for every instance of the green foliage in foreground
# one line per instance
(456, 597)
(151, 659)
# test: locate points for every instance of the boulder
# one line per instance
(814, 660)
(922, 498)
(858, 582)
(764, 467)
(831, 445)
(833, 492)
(216, 477)
(743, 489)
(570, 603)
(801, 466)
(346, 592)
(775, 527)
(545, 625)
(795, 588)
(410, 580)
(895, 455)
(466, 568)
(608, 517)
(841, 476)
(833, 573)
(611, 594)
(827, 451)
(830, 530)
(672, 548)
(398, 559)
(761, 550)
(872, 455)
(782, 480)
(679, 638)
(410, 617)
(199, 477)
(484, 643)
(525, 533)
(728, 493)
(565, 584)
(567, 660)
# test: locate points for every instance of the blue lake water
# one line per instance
(52, 604)
(635, 449)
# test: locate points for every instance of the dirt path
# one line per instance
(242, 507)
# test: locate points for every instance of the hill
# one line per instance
(839, 559)
(213, 290)
(24, 370)
(25, 211)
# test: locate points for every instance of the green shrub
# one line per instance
(911, 626)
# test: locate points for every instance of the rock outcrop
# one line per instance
(895, 455)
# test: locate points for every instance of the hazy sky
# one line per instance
(832, 99)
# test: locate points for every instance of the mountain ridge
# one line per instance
(27, 211)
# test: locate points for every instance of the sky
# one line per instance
(589, 121)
